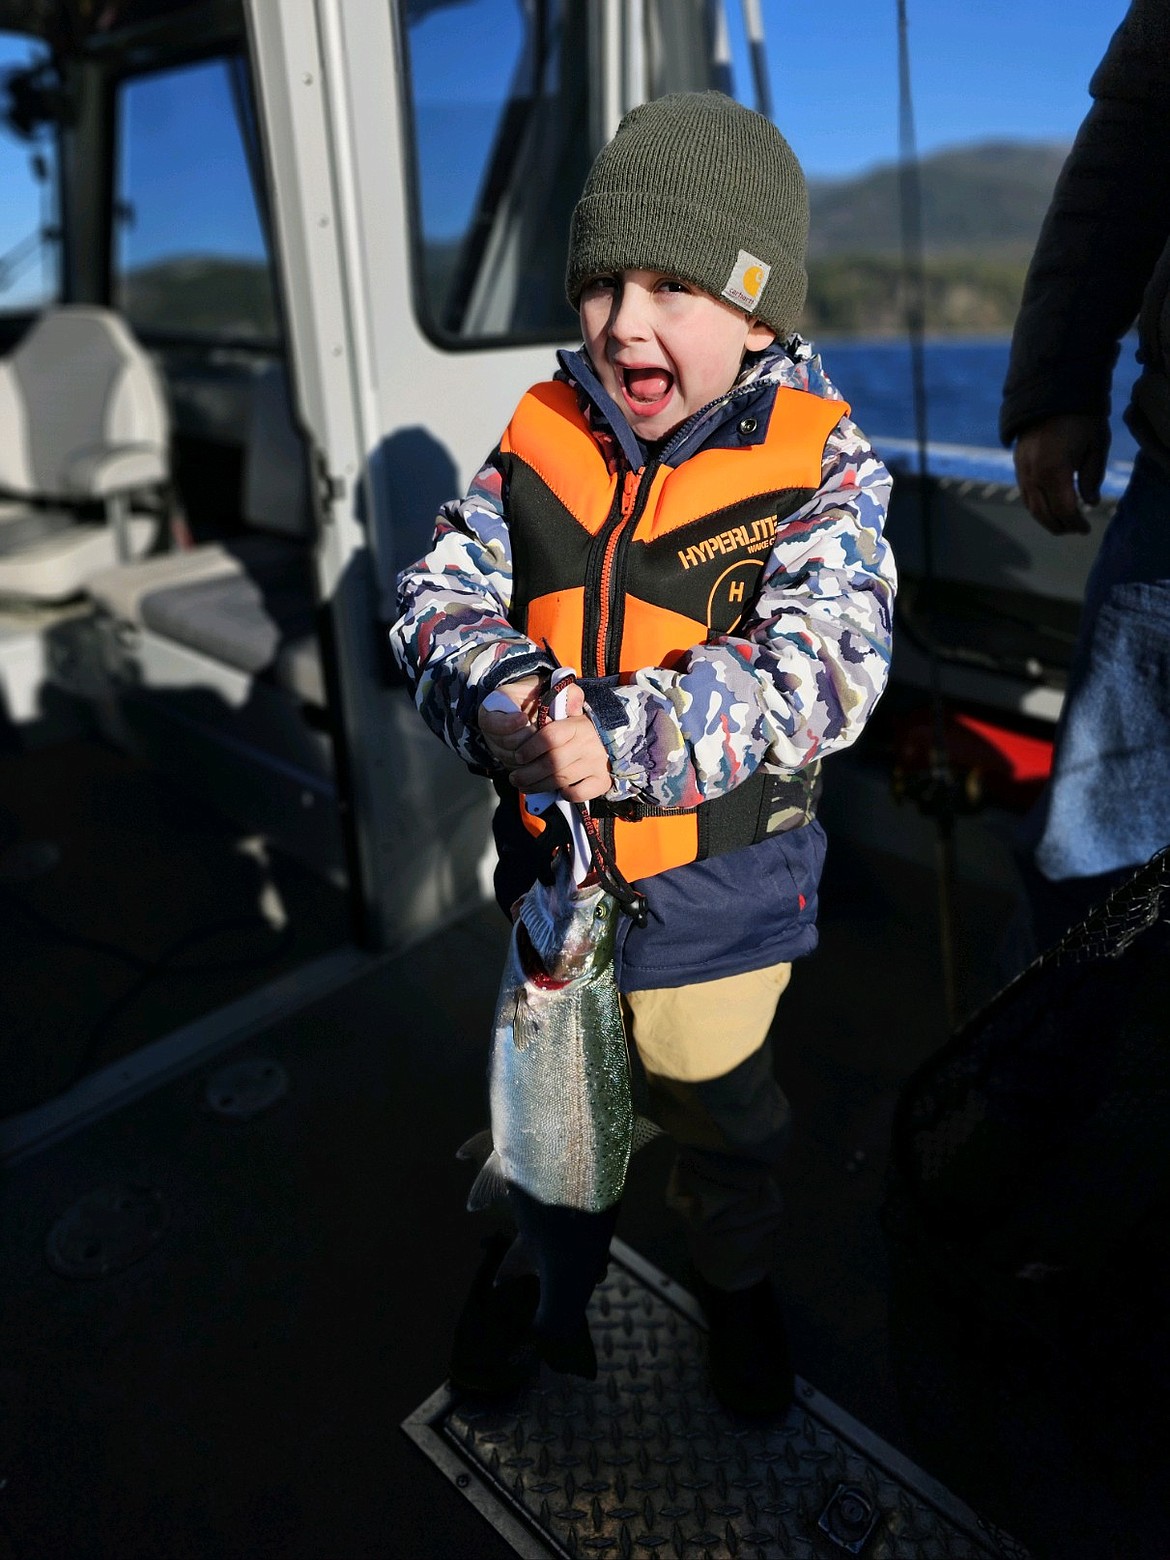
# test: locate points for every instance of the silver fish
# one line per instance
(561, 1111)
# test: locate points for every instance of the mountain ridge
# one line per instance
(987, 196)
(982, 206)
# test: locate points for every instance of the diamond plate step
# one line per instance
(644, 1463)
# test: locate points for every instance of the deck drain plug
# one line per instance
(106, 1231)
(850, 1518)
(246, 1088)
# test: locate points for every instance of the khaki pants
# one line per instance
(707, 1061)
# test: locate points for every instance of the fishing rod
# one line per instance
(938, 793)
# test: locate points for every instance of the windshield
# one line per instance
(498, 91)
(505, 103)
(29, 251)
(194, 265)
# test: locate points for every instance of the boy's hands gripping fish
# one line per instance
(563, 1124)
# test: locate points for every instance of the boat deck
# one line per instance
(239, 1389)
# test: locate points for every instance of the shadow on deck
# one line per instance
(239, 1390)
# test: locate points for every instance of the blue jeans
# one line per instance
(1107, 806)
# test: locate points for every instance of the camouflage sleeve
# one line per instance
(798, 679)
(452, 638)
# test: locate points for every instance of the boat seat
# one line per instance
(248, 602)
(83, 452)
(252, 619)
(21, 527)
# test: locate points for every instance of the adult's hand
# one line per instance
(1060, 464)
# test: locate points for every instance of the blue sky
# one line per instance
(980, 69)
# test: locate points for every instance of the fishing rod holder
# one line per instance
(955, 764)
(941, 791)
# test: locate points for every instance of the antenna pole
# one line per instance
(939, 796)
(753, 26)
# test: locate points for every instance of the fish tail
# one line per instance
(570, 1249)
(518, 1261)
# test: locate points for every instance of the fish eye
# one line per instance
(601, 912)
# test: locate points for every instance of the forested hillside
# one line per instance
(982, 207)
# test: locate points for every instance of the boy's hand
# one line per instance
(505, 731)
(567, 756)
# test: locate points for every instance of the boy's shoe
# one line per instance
(747, 1346)
(492, 1352)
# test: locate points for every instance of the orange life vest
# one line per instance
(615, 574)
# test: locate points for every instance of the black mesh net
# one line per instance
(1030, 1160)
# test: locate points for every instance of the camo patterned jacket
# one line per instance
(796, 681)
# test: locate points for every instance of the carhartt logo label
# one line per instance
(753, 538)
(747, 280)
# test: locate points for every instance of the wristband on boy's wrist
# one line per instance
(512, 667)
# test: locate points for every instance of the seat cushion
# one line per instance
(122, 589)
(23, 527)
(261, 621)
(56, 562)
(77, 380)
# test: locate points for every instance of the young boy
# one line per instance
(686, 515)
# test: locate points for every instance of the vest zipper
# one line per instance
(614, 543)
(603, 628)
(604, 610)
(604, 606)
(593, 610)
(619, 532)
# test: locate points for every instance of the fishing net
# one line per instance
(1030, 1156)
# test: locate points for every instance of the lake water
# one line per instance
(964, 380)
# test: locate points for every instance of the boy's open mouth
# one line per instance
(647, 390)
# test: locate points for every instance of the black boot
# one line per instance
(492, 1352)
(748, 1353)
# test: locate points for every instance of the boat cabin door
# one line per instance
(423, 160)
(300, 260)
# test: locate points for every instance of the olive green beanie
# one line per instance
(697, 185)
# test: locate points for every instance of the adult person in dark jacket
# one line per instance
(1102, 260)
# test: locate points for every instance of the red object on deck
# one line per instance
(1012, 766)
(1028, 760)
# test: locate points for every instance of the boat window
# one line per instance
(29, 248)
(500, 138)
(190, 255)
